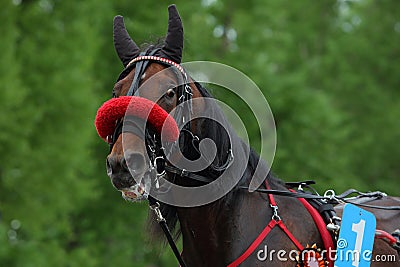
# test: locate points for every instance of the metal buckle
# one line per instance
(157, 212)
(332, 196)
(188, 89)
(183, 172)
(275, 216)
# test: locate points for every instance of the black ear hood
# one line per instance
(172, 49)
(173, 46)
(125, 47)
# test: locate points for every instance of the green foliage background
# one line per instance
(329, 69)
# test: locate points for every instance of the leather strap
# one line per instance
(265, 233)
(255, 244)
(319, 222)
(190, 175)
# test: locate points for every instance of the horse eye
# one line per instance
(170, 93)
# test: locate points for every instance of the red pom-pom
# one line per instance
(115, 109)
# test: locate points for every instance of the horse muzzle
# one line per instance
(130, 170)
(129, 180)
(135, 193)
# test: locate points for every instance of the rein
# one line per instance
(155, 207)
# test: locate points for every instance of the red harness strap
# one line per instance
(325, 235)
(380, 234)
(261, 237)
(276, 220)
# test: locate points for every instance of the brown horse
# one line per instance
(220, 232)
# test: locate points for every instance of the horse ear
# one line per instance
(173, 46)
(126, 48)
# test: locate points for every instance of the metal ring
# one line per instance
(157, 158)
(330, 194)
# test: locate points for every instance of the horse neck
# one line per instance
(217, 233)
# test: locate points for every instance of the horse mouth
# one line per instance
(135, 193)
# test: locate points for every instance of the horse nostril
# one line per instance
(124, 165)
(115, 165)
(135, 162)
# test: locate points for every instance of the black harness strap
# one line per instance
(335, 200)
(190, 175)
(287, 193)
(373, 206)
(139, 71)
(155, 206)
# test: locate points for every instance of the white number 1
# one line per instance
(358, 228)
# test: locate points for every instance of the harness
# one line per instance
(277, 221)
(319, 207)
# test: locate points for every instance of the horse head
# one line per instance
(155, 87)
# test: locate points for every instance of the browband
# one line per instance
(159, 59)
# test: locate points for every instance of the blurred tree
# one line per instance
(15, 128)
(280, 45)
(47, 170)
(364, 82)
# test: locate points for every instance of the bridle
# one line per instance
(182, 116)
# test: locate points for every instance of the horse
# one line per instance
(240, 228)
